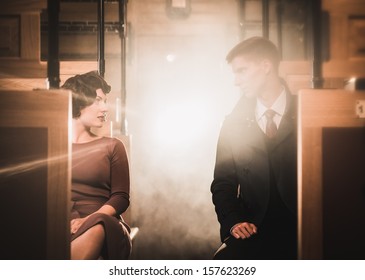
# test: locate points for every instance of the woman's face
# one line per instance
(95, 114)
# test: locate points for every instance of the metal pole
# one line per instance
(265, 18)
(316, 9)
(123, 62)
(279, 12)
(241, 14)
(101, 60)
(53, 64)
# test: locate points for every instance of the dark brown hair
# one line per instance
(256, 48)
(83, 89)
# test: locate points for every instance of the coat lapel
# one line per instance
(250, 133)
(288, 122)
(246, 126)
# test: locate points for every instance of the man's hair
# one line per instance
(83, 89)
(256, 48)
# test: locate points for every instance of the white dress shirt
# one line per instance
(278, 106)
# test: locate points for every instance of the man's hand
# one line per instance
(243, 230)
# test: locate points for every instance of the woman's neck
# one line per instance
(81, 134)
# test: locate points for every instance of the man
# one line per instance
(255, 178)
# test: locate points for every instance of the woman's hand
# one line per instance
(105, 209)
(76, 224)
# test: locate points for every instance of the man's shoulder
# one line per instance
(243, 109)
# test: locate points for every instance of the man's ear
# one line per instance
(266, 66)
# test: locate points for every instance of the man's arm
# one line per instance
(224, 187)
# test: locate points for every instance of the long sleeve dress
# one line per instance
(100, 176)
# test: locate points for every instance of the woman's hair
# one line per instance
(83, 89)
(256, 48)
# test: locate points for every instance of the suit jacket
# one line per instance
(241, 185)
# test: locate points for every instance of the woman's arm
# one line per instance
(105, 209)
(118, 201)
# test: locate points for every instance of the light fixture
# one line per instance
(178, 8)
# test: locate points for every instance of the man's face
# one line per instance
(250, 75)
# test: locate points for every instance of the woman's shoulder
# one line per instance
(114, 143)
(113, 140)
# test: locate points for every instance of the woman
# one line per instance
(100, 176)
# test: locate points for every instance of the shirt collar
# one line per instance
(278, 106)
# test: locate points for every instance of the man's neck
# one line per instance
(271, 93)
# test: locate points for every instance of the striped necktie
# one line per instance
(271, 128)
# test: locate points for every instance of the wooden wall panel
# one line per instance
(319, 109)
(21, 6)
(9, 32)
(310, 194)
(83, 11)
(26, 64)
(357, 37)
(30, 36)
(347, 24)
(44, 115)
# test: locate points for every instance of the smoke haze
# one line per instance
(182, 93)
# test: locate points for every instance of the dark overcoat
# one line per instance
(241, 185)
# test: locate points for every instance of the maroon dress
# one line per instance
(100, 176)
